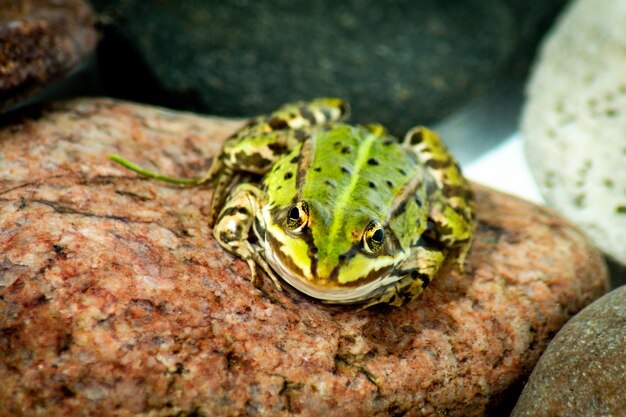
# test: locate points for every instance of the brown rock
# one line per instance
(41, 41)
(583, 371)
(116, 300)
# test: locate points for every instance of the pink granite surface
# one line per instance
(115, 300)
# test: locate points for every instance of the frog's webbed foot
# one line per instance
(406, 289)
(415, 273)
(234, 226)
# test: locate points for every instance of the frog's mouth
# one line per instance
(329, 290)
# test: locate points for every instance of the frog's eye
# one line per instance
(298, 216)
(373, 237)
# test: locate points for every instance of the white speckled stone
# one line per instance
(574, 122)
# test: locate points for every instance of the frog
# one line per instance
(344, 213)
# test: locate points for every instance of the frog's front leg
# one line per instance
(254, 148)
(450, 196)
(415, 274)
(234, 228)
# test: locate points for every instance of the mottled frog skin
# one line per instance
(343, 213)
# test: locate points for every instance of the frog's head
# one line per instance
(329, 258)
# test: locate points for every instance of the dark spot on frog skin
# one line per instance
(422, 277)
(401, 171)
(234, 210)
(317, 169)
(229, 236)
(252, 160)
(373, 161)
(389, 183)
(416, 138)
(295, 159)
(288, 175)
(372, 184)
(278, 123)
(277, 148)
(345, 170)
(331, 183)
(306, 114)
(345, 150)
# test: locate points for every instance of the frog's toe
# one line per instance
(257, 259)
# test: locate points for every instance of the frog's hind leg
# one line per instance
(234, 226)
(254, 148)
(317, 112)
(223, 187)
(450, 196)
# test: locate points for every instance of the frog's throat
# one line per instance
(333, 294)
(302, 278)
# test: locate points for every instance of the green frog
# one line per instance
(343, 213)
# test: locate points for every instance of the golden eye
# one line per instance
(373, 237)
(298, 216)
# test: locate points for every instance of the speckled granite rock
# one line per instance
(395, 61)
(41, 41)
(116, 300)
(583, 371)
(574, 121)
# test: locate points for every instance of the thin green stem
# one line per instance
(139, 170)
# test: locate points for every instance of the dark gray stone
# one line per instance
(583, 370)
(400, 63)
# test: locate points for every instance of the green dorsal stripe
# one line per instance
(345, 197)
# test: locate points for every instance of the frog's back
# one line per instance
(351, 175)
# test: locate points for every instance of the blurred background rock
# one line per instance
(398, 62)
